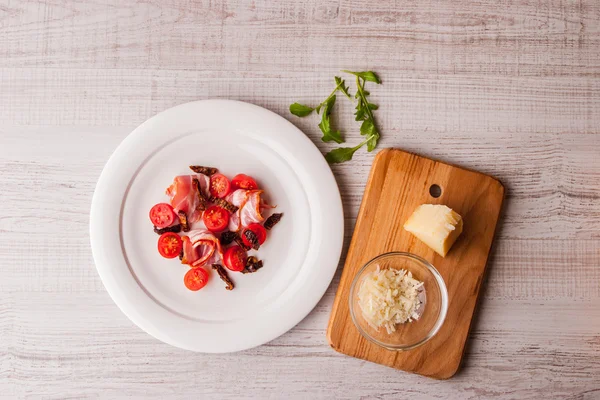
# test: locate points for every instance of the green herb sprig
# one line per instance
(364, 113)
(329, 134)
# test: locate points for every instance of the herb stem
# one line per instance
(365, 141)
(360, 89)
(331, 95)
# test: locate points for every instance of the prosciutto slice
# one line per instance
(189, 254)
(200, 248)
(237, 198)
(249, 206)
(250, 212)
(184, 197)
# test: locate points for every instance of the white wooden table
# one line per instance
(509, 88)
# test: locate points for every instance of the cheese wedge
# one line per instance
(438, 226)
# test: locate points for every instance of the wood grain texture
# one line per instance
(510, 88)
(399, 183)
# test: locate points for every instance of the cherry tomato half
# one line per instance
(162, 215)
(216, 218)
(235, 258)
(242, 181)
(169, 245)
(219, 186)
(195, 279)
(259, 231)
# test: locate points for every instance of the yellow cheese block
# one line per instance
(436, 225)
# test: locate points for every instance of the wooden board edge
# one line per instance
(459, 364)
(451, 165)
(379, 157)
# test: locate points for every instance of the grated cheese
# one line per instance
(389, 297)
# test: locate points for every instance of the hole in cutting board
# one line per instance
(435, 191)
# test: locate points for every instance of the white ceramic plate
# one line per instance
(300, 255)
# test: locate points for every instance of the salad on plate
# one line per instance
(211, 223)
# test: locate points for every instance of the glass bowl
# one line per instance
(435, 303)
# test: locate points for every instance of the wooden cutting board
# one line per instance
(399, 182)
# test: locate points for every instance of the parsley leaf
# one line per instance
(341, 154)
(300, 110)
(366, 75)
(324, 108)
(364, 113)
(329, 135)
(340, 84)
(367, 127)
(372, 142)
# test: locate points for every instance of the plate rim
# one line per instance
(335, 211)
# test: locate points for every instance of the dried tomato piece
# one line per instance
(199, 169)
(272, 221)
(241, 243)
(202, 200)
(223, 204)
(223, 275)
(174, 229)
(183, 221)
(253, 264)
(228, 237)
(251, 238)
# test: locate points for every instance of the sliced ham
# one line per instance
(250, 212)
(237, 198)
(183, 196)
(206, 248)
(189, 253)
(234, 222)
(249, 205)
